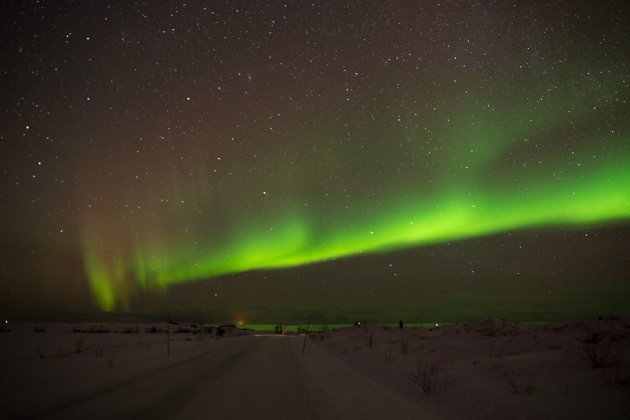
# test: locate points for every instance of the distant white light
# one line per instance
(6, 321)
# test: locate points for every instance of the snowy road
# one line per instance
(251, 377)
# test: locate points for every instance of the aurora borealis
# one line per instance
(150, 146)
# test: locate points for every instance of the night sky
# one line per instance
(315, 154)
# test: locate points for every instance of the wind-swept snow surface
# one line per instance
(494, 369)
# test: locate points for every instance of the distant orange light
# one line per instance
(240, 322)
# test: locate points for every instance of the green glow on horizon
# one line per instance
(468, 198)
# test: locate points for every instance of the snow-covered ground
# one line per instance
(489, 369)
(497, 370)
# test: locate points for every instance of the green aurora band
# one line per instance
(478, 189)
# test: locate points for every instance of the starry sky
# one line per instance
(353, 154)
